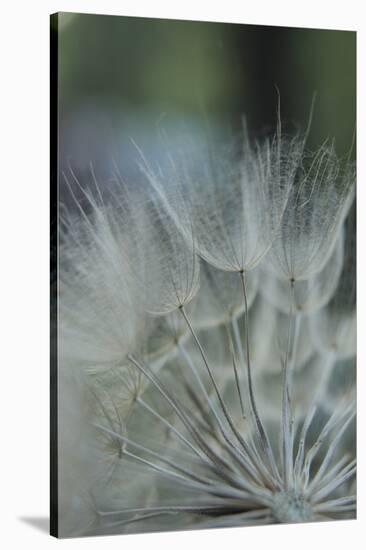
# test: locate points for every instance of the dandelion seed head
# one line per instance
(213, 382)
(310, 294)
(321, 195)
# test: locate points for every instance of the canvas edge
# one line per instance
(54, 527)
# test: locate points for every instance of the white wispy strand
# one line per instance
(95, 328)
(321, 195)
(310, 294)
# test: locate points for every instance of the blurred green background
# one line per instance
(118, 69)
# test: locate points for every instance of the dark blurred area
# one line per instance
(122, 77)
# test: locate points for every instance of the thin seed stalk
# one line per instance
(262, 433)
(212, 378)
(286, 421)
(247, 349)
(247, 451)
(297, 328)
(236, 374)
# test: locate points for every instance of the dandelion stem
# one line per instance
(286, 428)
(262, 433)
(160, 469)
(329, 454)
(299, 461)
(158, 456)
(234, 324)
(219, 462)
(200, 383)
(180, 413)
(348, 472)
(331, 424)
(334, 471)
(169, 425)
(295, 343)
(212, 378)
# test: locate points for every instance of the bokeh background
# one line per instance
(122, 77)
